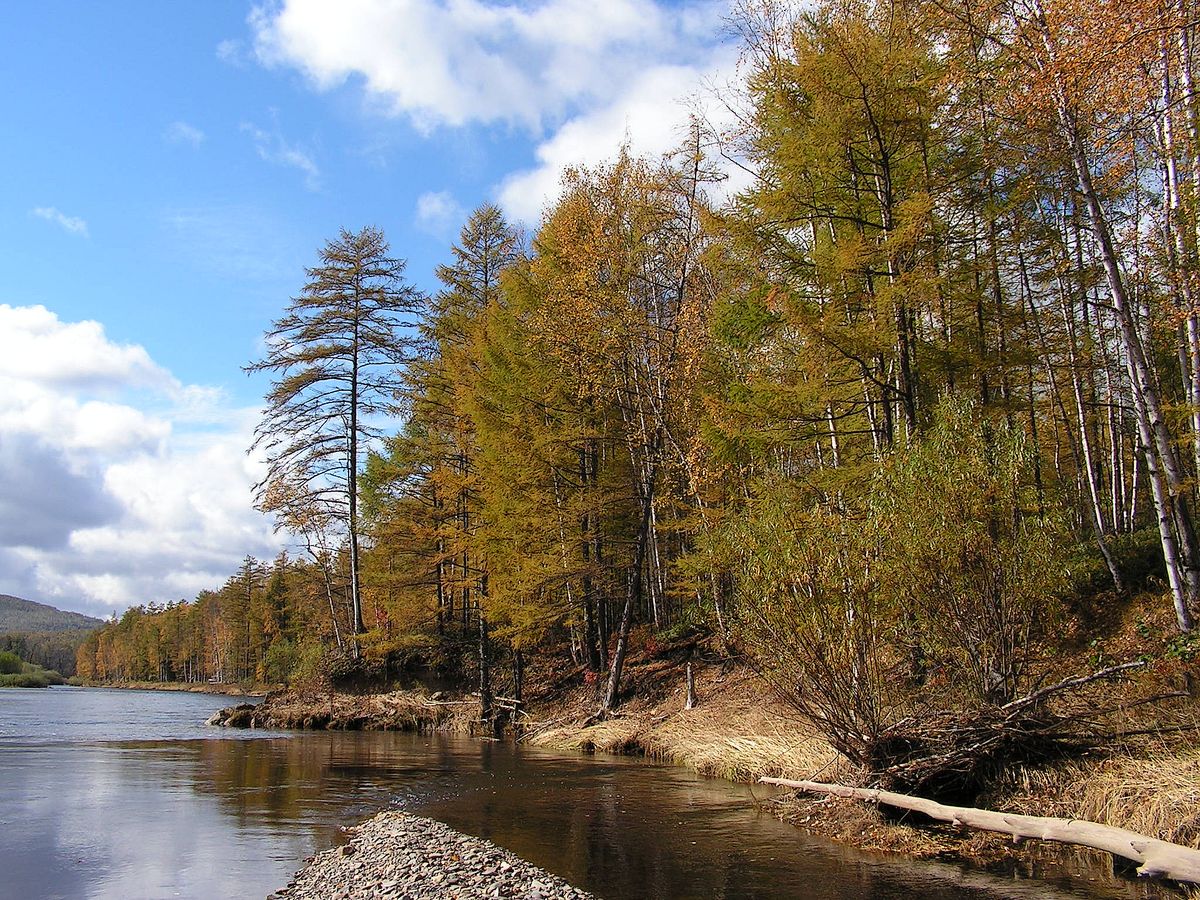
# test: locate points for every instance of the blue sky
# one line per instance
(173, 167)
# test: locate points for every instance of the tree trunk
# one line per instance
(1167, 481)
(633, 596)
(487, 713)
(518, 675)
(1155, 858)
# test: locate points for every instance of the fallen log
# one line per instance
(1155, 858)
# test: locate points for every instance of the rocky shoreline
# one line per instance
(391, 711)
(400, 856)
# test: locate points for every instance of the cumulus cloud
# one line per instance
(44, 497)
(37, 347)
(582, 77)
(118, 484)
(183, 133)
(651, 116)
(438, 213)
(272, 147)
(70, 224)
(470, 61)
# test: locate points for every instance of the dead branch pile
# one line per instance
(952, 755)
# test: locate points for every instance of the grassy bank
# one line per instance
(737, 731)
(36, 679)
(16, 673)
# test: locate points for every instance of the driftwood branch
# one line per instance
(1155, 858)
(1070, 683)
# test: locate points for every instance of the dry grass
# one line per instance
(393, 711)
(1149, 783)
(1155, 792)
(191, 687)
(736, 732)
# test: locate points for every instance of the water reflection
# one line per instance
(170, 809)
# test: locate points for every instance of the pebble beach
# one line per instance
(399, 856)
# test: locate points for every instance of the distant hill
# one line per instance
(25, 615)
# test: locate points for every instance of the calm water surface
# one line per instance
(127, 794)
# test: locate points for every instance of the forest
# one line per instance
(875, 422)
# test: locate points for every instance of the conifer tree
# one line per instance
(336, 356)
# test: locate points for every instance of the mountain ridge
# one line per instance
(18, 614)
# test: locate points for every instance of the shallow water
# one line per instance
(126, 794)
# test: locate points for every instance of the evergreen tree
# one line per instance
(336, 356)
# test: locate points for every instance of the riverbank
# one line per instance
(43, 679)
(1149, 782)
(16, 672)
(739, 731)
(397, 855)
(187, 687)
(390, 711)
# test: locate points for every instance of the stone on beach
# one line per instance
(400, 856)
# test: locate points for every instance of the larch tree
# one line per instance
(424, 492)
(600, 309)
(336, 355)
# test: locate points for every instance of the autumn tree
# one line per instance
(335, 356)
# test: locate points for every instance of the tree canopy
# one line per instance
(873, 420)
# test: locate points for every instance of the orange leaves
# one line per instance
(1091, 54)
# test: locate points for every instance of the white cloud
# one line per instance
(118, 484)
(36, 346)
(272, 147)
(72, 224)
(580, 76)
(439, 214)
(183, 133)
(453, 63)
(232, 52)
(652, 115)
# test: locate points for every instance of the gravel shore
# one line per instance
(404, 857)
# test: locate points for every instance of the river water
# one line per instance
(127, 794)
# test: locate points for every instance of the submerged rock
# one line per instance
(240, 716)
(398, 855)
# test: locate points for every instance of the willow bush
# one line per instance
(973, 552)
(810, 609)
(945, 567)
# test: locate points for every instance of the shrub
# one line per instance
(309, 671)
(10, 663)
(966, 549)
(26, 680)
(282, 658)
(948, 562)
(809, 609)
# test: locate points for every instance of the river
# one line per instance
(127, 794)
